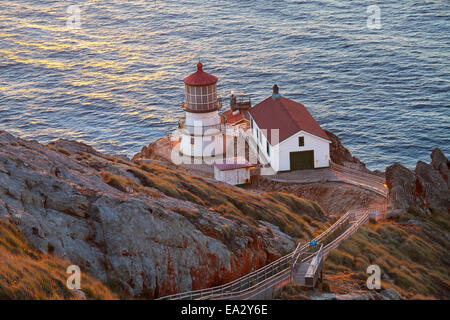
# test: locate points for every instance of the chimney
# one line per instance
(275, 89)
(275, 94)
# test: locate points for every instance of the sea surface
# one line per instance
(116, 82)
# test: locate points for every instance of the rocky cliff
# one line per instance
(425, 188)
(144, 229)
(341, 155)
(28, 274)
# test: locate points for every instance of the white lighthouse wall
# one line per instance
(202, 145)
(205, 119)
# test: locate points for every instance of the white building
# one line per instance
(234, 171)
(287, 135)
(201, 135)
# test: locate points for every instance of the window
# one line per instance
(301, 141)
(201, 97)
(257, 133)
(268, 148)
(251, 123)
(260, 138)
(192, 140)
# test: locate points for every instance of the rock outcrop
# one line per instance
(440, 162)
(68, 200)
(424, 188)
(341, 155)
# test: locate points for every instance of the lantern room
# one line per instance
(201, 135)
(201, 91)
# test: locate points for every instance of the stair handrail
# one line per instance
(292, 258)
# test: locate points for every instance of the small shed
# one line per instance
(234, 171)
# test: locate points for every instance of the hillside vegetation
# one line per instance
(294, 216)
(410, 249)
(28, 274)
(412, 252)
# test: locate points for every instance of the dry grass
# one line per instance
(413, 256)
(27, 274)
(412, 252)
(291, 214)
(293, 292)
(115, 181)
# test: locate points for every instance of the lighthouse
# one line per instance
(201, 135)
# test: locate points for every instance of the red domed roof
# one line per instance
(200, 78)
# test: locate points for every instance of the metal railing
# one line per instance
(266, 280)
(240, 102)
(240, 284)
(314, 268)
(362, 179)
(357, 172)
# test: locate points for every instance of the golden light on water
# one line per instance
(129, 55)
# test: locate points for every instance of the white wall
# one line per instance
(207, 119)
(320, 146)
(233, 177)
(202, 144)
(279, 158)
(261, 142)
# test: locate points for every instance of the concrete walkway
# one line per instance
(335, 173)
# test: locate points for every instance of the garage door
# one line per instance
(302, 160)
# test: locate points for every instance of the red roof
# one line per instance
(234, 118)
(200, 78)
(232, 164)
(286, 115)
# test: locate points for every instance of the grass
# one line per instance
(414, 257)
(411, 251)
(292, 292)
(291, 214)
(115, 181)
(26, 274)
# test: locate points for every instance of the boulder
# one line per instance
(441, 163)
(390, 294)
(425, 188)
(392, 214)
(431, 187)
(401, 183)
(341, 155)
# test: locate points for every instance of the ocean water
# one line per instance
(116, 82)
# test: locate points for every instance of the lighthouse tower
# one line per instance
(202, 135)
